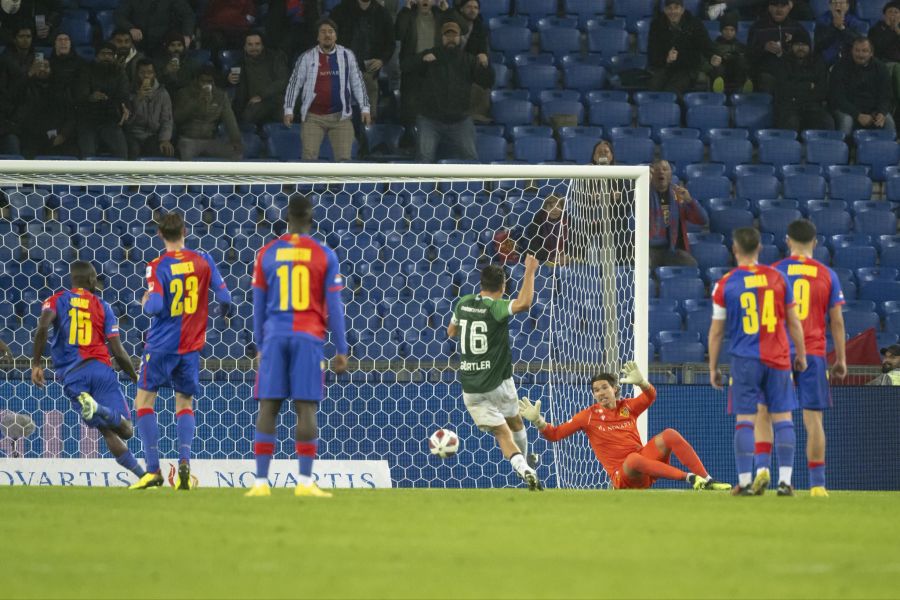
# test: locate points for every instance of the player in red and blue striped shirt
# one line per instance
(817, 293)
(753, 302)
(296, 295)
(178, 284)
(82, 326)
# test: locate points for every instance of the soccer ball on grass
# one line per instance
(443, 443)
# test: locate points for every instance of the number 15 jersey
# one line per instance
(754, 302)
(82, 325)
(179, 284)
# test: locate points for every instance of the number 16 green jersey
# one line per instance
(485, 359)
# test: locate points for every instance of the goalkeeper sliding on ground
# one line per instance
(611, 427)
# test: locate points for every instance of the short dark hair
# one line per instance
(171, 226)
(81, 271)
(145, 62)
(492, 278)
(747, 239)
(802, 230)
(120, 31)
(609, 377)
(300, 209)
(863, 40)
(326, 21)
(257, 33)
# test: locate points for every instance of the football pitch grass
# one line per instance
(111, 543)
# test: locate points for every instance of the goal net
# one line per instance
(410, 239)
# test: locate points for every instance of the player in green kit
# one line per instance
(485, 367)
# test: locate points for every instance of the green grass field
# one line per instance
(106, 543)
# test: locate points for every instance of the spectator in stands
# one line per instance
(505, 252)
(127, 55)
(9, 142)
(475, 43)
(366, 29)
(418, 28)
(548, 232)
(732, 74)
(66, 70)
(175, 69)
(801, 91)
(45, 124)
(149, 130)
(447, 73)
(101, 97)
(836, 30)
(291, 26)
(319, 72)
(16, 61)
(671, 209)
(225, 23)
(861, 91)
(751, 9)
(199, 110)
(768, 40)
(678, 48)
(603, 154)
(260, 79)
(890, 367)
(885, 38)
(150, 21)
(41, 15)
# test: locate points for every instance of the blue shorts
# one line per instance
(181, 372)
(754, 383)
(813, 390)
(290, 366)
(101, 382)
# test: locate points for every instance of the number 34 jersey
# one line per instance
(753, 301)
(82, 325)
(485, 360)
(182, 279)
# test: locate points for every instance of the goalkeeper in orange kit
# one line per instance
(611, 427)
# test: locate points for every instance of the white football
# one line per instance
(443, 443)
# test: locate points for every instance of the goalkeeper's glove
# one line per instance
(532, 412)
(631, 373)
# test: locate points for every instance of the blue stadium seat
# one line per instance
(516, 94)
(804, 185)
(854, 257)
(583, 77)
(769, 254)
(534, 149)
(284, 144)
(778, 151)
(383, 138)
(490, 148)
(861, 205)
(706, 170)
(633, 11)
(586, 10)
(880, 291)
(669, 272)
(634, 132)
(556, 108)
(80, 31)
(620, 63)
(680, 152)
(704, 187)
(830, 222)
(757, 186)
(607, 96)
(536, 9)
(669, 336)
(856, 322)
(607, 41)
(890, 255)
(561, 41)
(533, 130)
(578, 148)
(657, 115)
(710, 255)
(869, 10)
(731, 152)
(536, 78)
(494, 8)
(663, 305)
(753, 115)
(671, 133)
(682, 352)
(663, 321)
(776, 220)
(876, 222)
(821, 134)
(681, 288)
(706, 117)
(726, 220)
(848, 239)
(866, 274)
(511, 41)
(827, 152)
(878, 155)
(850, 186)
(513, 112)
(633, 151)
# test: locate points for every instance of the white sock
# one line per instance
(784, 474)
(304, 479)
(761, 469)
(744, 479)
(521, 439)
(519, 463)
(262, 481)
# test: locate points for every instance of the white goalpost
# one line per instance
(410, 238)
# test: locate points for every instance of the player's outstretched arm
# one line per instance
(40, 340)
(795, 329)
(839, 368)
(526, 293)
(122, 358)
(631, 374)
(716, 335)
(532, 412)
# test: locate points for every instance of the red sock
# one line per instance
(654, 468)
(684, 451)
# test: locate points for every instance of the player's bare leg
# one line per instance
(520, 437)
(115, 441)
(185, 427)
(762, 452)
(513, 454)
(148, 429)
(743, 453)
(669, 441)
(307, 437)
(815, 452)
(264, 446)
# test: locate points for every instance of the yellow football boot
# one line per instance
(259, 490)
(148, 481)
(818, 492)
(311, 491)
